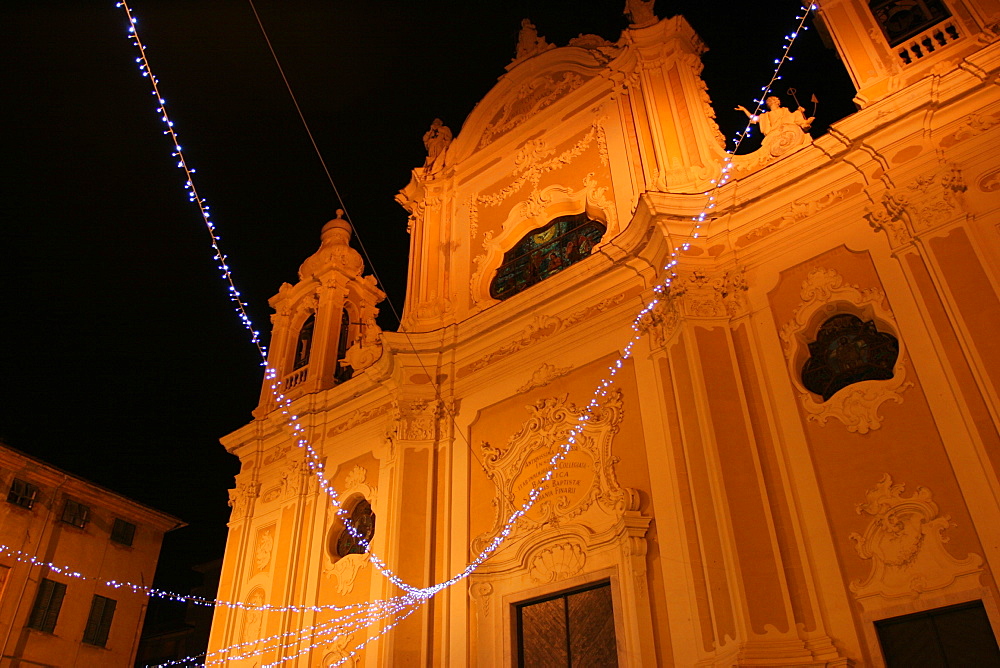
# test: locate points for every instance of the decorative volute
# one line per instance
(324, 326)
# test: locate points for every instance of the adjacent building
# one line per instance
(797, 465)
(48, 618)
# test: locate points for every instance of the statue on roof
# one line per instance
(529, 42)
(436, 141)
(783, 128)
(640, 13)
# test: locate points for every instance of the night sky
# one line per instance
(122, 360)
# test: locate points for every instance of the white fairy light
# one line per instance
(371, 613)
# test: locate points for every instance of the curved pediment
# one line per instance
(531, 86)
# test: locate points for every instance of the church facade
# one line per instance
(797, 462)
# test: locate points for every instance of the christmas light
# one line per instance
(375, 612)
(241, 308)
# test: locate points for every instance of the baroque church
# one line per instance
(798, 461)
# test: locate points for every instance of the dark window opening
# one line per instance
(122, 532)
(22, 493)
(902, 19)
(303, 345)
(848, 351)
(75, 513)
(546, 251)
(958, 635)
(102, 610)
(574, 628)
(363, 520)
(48, 601)
(343, 371)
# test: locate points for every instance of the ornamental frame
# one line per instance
(824, 295)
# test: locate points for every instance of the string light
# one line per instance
(414, 596)
(241, 308)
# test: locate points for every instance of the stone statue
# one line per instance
(436, 141)
(783, 129)
(640, 13)
(529, 43)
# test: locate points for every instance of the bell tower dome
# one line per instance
(324, 327)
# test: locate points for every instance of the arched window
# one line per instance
(545, 251)
(344, 338)
(848, 351)
(363, 520)
(303, 346)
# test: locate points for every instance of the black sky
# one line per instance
(121, 358)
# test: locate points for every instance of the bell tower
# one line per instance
(324, 327)
(887, 45)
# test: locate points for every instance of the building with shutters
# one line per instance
(48, 618)
(797, 464)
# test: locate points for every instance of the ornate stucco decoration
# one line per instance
(537, 209)
(241, 499)
(557, 562)
(530, 98)
(798, 211)
(584, 488)
(358, 418)
(971, 126)
(990, 181)
(661, 321)
(931, 200)
(342, 652)
(253, 619)
(696, 294)
(263, 549)
(544, 375)
(347, 568)
(824, 295)
(289, 481)
(905, 544)
(540, 327)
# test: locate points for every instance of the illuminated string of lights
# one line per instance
(67, 571)
(417, 595)
(241, 308)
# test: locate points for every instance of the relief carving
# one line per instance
(557, 562)
(263, 548)
(544, 375)
(720, 295)
(359, 417)
(905, 543)
(346, 570)
(824, 295)
(661, 321)
(241, 499)
(583, 485)
(528, 100)
(343, 651)
(972, 126)
(929, 201)
(990, 181)
(481, 593)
